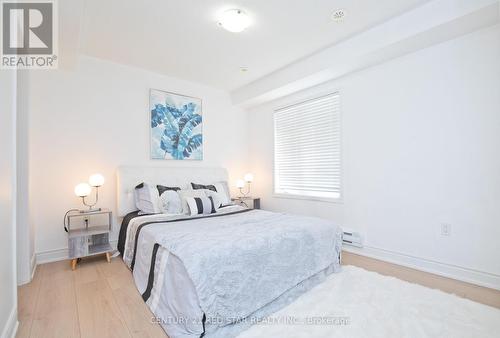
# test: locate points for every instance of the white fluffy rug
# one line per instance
(366, 304)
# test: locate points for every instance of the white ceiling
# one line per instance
(180, 38)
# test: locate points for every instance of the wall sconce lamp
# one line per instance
(240, 184)
(85, 189)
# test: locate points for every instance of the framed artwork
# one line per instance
(176, 126)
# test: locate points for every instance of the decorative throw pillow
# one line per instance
(189, 193)
(221, 187)
(200, 205)
(146, 199)
(217, 197)
(170, 202)
(201, 186)
(162, 189)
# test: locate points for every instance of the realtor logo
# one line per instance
(29, 39)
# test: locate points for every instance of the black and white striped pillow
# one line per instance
(200, 205)
(219, 187)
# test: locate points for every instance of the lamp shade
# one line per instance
(83, 190)
(96, 180)
(249, 177)
(240, 184)
(234, 20)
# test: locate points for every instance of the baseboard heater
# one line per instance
(352, 238)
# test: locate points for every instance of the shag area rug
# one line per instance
(359, 303)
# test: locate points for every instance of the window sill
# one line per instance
(309, 198)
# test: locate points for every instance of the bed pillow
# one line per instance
(197, 186)
(170, 202)
(200, 205)
(220, 187)
(189, 193)
(162, 189)
(146, 199)
(218, 198)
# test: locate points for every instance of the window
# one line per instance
(307, 149)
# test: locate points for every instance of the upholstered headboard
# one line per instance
(128, 177)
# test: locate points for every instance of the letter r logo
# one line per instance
(27, 28)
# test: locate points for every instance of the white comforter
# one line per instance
(224, 267)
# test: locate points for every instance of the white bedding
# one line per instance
(172, 292)
(178, 300)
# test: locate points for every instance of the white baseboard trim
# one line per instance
(51, 255)
(29, 278)
(10, 329)
(58, 254)
(467, 275)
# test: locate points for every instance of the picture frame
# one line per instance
(176, 126)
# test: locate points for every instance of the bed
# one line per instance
(215, 275)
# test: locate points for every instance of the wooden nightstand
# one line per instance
(247, 202)
(88, 239)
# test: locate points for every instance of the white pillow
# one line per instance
(189, 193)
(223, 190)
(220, 187)
(218, 198)
(146, 198)
(200, 205)
(170, 202)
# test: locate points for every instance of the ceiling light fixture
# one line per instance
(338, 15)
(234, 20)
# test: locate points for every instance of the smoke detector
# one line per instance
(338, 15)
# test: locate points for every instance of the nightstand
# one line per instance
(247, 202)
(86, 239)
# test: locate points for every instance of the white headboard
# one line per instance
(129, 177)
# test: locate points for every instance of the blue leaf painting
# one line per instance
(195, 142)
(176, 126)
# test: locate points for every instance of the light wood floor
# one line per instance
(99, 299)
(466, 290)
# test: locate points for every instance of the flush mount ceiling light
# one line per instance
(234, 20)
(338, 15)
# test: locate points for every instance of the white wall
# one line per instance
(95, 119)
(421, 138)
(8, 290)
(25, 228)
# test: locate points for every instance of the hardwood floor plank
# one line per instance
(116, 268)
(59, 324)
(56, 310)
(137, 316)
(56, 271)
(118, 281)
(116, 273)
(87, 273)
(99, 316)
(27, 300)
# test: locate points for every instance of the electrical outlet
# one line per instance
(445, 229)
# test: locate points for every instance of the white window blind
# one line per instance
(307, 148)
